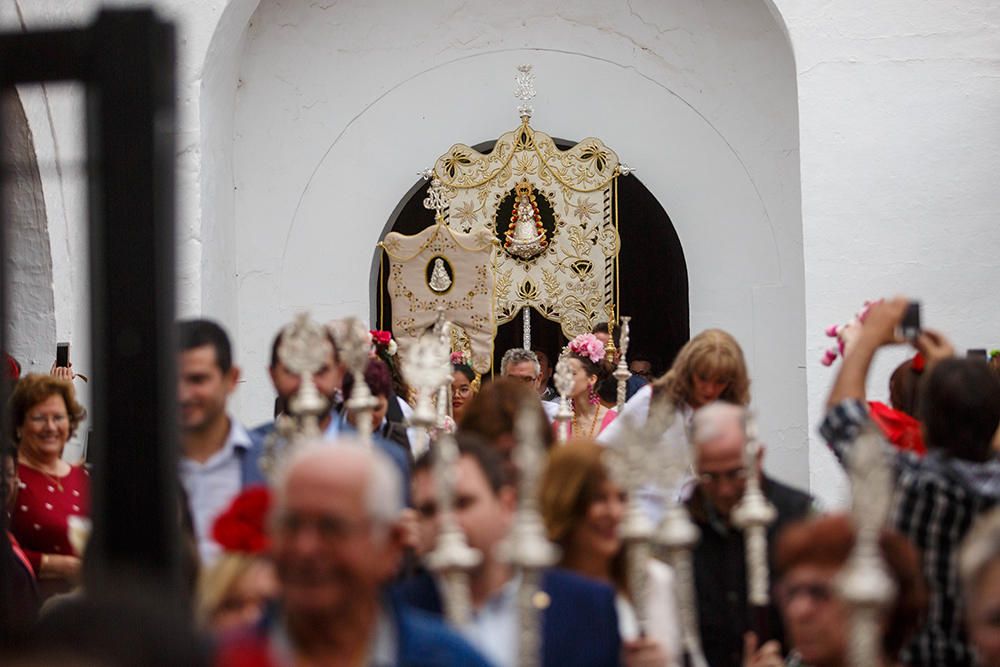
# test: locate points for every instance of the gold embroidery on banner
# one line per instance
(564, 269)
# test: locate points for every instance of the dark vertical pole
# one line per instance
(7, 623)
(130, 126)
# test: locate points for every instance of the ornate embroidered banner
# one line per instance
(552, 212)
(444, 268)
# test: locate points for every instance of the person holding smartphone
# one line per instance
(44, 414)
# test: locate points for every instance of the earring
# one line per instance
(594, 398)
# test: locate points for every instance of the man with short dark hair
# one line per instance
(642, 366)
(218, 457)
(941, 494)
(544, 384)
(328, 379)
(579, 623)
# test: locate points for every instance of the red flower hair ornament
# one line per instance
(240, 529)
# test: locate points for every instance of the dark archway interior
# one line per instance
(654, 283)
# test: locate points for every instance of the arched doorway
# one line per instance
(652, 277)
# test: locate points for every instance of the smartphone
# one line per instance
(62, 355)
(977, 353)
(910, 326)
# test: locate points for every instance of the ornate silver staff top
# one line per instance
(563, 379)
(524, 91)
(865, 583)
(443, 330)
(622, 373)
(527, 548)
(426, 367)
(304, 349)
(631, 466)
(753, 515)
(452, 558)
(677, 534)
(355, 346)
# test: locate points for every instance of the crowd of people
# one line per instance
(323, 560)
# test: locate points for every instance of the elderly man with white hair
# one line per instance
(718, 439)
(336, 541)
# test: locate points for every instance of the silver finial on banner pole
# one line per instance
(563, 379)
(452, 558)
(524, 91)
(527, 548)
(355, 349)
(622, 373)
(303, 350)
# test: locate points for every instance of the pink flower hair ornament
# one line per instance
(587, 346)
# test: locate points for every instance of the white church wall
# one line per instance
(338, 107)
(900, 142)
(31, 326)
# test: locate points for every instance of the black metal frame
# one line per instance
(125, 59)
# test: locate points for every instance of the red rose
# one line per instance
(241, 527)
(381, 337)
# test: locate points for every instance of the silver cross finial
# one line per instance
(525, 90)
(303, 350)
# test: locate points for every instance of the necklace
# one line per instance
(52, 478)
(593, 424)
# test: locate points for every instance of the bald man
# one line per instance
(718, 441)
(336, 541)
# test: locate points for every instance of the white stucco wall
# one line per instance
(898, 140)
(31, 325)
(900, 143)
(699, 96)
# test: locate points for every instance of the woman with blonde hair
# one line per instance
(583, 509)
(710, 367)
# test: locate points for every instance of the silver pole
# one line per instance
(622, 373)
(527, 548)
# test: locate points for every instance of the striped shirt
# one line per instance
(937, 499)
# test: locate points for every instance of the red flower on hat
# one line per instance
(240, 528)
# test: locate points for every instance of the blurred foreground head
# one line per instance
(809, 558)
(335, 536)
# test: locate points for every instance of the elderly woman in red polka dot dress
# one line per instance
(44, 414)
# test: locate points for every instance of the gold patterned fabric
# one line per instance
(563, 267)
(444, 268)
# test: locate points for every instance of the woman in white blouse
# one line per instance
(583, 510)
(710, 367)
